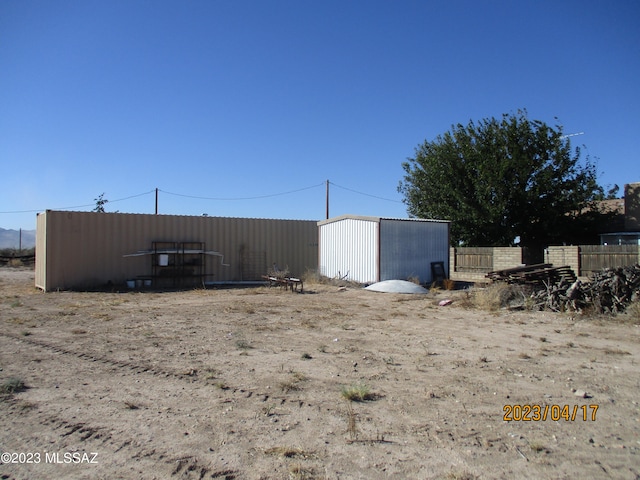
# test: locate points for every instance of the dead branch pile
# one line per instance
(611, 290)
(557, 289)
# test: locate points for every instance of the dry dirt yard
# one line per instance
(251, 384)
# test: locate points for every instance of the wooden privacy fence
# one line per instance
(474, 259)
(595, 258)
(473, 263)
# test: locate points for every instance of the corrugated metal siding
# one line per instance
(373, 249)
(41, 251)
(86, 249)
(349, 247)
(407, 248)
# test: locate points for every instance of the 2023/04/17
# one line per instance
(542, 413)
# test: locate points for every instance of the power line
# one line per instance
(78, 206)
(257, 197)
(365, 194)
(132, 196)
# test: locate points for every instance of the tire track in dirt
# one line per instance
(79, 435)
(90, 433)
(189, 377)
(93, 437)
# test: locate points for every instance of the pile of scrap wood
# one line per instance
(611, 290)
(557, 289)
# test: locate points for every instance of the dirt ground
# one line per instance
(251, 384)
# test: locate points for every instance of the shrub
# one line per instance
(357, 393)
(12, 385)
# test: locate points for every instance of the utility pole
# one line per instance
(156, 200)
(327, 201)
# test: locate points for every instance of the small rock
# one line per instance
(581, 393)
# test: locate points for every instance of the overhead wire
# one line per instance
(132, 196)
(255, 197)
(79, 206)
(365, 194)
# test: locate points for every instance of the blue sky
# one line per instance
(241, 101)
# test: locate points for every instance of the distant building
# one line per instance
(626, 228)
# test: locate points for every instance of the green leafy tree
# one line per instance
(500, 179)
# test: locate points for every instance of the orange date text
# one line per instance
(542, 413)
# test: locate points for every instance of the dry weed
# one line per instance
(449, 284)
(12, 385)
(300, 472)
(500, 295)
(287, 452)
(615, 351)
(352, 427)
(313, 277)
(240, 308)
(461, 476)
(631, 313)
(242, 344)
(293, 382)
(537, 447)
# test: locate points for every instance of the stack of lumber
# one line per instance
(557, 289)
(540, 274)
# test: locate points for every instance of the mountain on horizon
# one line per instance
(11, 238)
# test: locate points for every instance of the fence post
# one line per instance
(561, 255)
(452, 260)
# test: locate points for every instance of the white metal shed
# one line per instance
(373, 249)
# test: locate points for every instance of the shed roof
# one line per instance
(378, 219)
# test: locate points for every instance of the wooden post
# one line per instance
(327, 201)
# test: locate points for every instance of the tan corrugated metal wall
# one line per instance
(78, 250)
